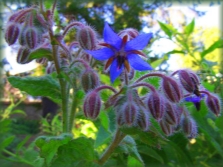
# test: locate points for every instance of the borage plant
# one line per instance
(73, 75)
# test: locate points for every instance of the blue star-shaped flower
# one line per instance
(196, 100)
(122, 53)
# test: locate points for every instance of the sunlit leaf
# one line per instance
(215, 45)
(190, 27)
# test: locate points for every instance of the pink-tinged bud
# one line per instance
(42, 61)
(155, 104)
(12, 33)
(171, 116)
(50, 68)
(22, 40)
(89, 80)
(92, 105)
(189, 80)
(171, 89)
(143, 120)
(189, 127)
(214, 104)
(129, 113)
(31, 37)
(179, 110)
(132, 33)
(23, 55)
(86, 38)
(166, 128)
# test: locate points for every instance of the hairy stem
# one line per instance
(117, 139)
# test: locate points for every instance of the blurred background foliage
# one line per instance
(196, 48)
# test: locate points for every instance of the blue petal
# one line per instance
(138, 43)
(114, 70)
(101, 54)
(111, 37)
(194, 99)
(137, 63)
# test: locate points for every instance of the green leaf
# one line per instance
(215, 45)
(19, 146)
(49, 145)
(38, 86)
(150, 152)
(175, 51)
(40, 53)
(157, 62)
(103, 136)
(104, 120)
(132, 162)
(19, 112)
(77, 152)
(6, 142)
(168, 29)
(190, 27)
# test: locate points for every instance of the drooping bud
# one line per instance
(92, 105)
(166, 128)
(12, 33)
(42, 61)
(143, 120)
(129, 113)
(50, 68)
(189, 80)
(155, 104)
(214, 104)
(189, 127)
(89, 80)
(23, 55)
(31, 37)
(132, 33)
(171, 89)
(171, 114)
(86, 38)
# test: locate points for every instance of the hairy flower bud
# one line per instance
(171, 89)
(31, 37)
(171, 114)
(132, 33)
(129, 113)
(23, 55)
(189, 127)
(155, 104)
(213, 103)
(50, 68)
(89, 80)
(86, 38)
(143, 120)
(42, 61)
(189, 80)
(92, 105)
(12, 33)
(166, 128)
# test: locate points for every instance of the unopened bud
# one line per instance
(214, 104)
(129, 113)
(171, 89)
(92, 105)
(31, 37)
(155, 103)
(50, 68)
(86, 38)
(189, 127)
(12, 33)
(166, 128)
(132, 33)
(23, 55)
(143, 120)
(171, 114)
(42, 61)
(89, 80)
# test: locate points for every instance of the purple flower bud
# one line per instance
(86, 38)
(189, 80)
(132, 33)
(166, 128)
(12, 33)
(143, 120)
(92, 105)
(31, 37)
(89, 80)
(23, 55)
(189, 127)
(22, 36)
(155, 104)
(170, 115)
(214, 104)
(50, 68)
(43, 61)
(171, 89)
(129, 113)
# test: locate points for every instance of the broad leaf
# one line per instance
(6, 142)
(49, 145)
(40, 53)
(168, 29)
(77, 152)
(38, 86)
(103, 136)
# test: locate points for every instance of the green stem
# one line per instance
(118, 138)
(73, 110)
